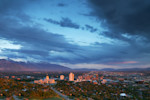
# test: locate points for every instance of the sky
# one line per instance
(76, 33)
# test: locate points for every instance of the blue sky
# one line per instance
(75, 33)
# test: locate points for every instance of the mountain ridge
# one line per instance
(111, 69)
(10, 65)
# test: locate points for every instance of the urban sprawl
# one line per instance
(93, 85)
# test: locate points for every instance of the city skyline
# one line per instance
(77, 34)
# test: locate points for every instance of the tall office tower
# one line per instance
(62, 77)
(71, 77)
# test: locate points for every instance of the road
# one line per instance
(60, 94)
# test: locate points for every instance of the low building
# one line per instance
(106, 81)
(46, 80)
(12, 76)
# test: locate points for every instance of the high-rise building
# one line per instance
(62, 77)
(71, 77)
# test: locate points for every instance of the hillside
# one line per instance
(8, 65)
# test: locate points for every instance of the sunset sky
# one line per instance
(76, 33)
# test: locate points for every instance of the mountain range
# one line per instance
(9, 65)
(111, 69)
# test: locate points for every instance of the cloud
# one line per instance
(90, 28)
(38, 44)
(4, 44)
(61, 4)
(65, 22)
(126, 21)
(27, 40)
(7, 5)
(123, 16)
(89, 66)
(35, 42)
(125, 62)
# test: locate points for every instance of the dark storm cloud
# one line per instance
(124, 16)
(126, 20)
(65, 22)
(6, 5)
(90, 28)
(13, 9)
(52, 21)
(61, 4)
